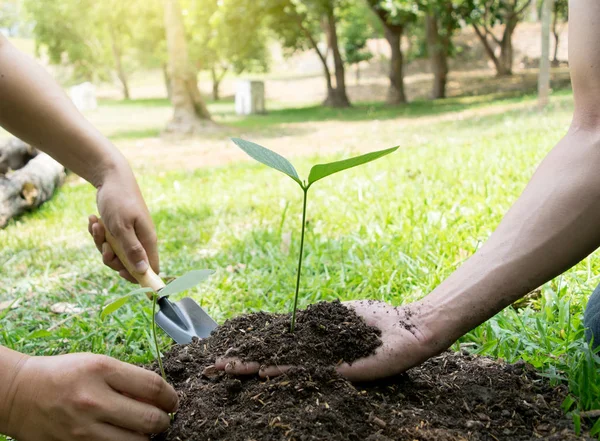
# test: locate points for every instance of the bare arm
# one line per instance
(551, 227)
(34, 108)
(554, 224)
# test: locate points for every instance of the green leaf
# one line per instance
(185, 282)
(120, 302)
(268, 157)
(40, 333)
(321, 171)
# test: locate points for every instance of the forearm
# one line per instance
(10, 364)
(551, 227)
(34, 108)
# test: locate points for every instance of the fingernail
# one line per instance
(141, 267)
(105, 248)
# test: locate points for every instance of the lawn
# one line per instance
(390, 231)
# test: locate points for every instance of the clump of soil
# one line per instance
(451, 397)
(326, 334)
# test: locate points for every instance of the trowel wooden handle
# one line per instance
(149, 279)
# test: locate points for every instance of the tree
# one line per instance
(92, 38)
(189, 111)
(227, 36)
(355, 30)
(9, 15)
(396, 16)
(561, 14)
(483, 15)
(300, 25)
(442, 19)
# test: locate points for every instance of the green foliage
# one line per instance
(496, 12)
(9, 14)
(117, 304)
(269, 158)
(185, 282)
(226, 35)
(356, 27)
(320, 171)
(95, 40)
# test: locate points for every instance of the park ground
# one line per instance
(392, 230)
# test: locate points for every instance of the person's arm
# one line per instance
(551, 227)
(34, 108)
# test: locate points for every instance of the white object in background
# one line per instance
(84, 96)
(250, 97)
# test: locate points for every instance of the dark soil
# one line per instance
(451, 397)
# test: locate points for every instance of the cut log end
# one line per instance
(29, 187)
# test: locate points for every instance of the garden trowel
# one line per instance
(181, 320)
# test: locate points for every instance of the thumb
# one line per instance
(134, 250)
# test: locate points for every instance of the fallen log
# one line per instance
(14, 154)
(29, 187)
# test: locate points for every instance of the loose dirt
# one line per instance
(452, 397)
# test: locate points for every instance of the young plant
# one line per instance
(317, 172)
(183, 283)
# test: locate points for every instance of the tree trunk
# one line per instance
(438, 55)
(215, 84)
(14, 154)
(336, 97)
(556, 32)
(396, 94)
(505, 66)
(29, 187)
(544, 76)
(357, 73)
(116, 51)
(189, 111)
(167, 80)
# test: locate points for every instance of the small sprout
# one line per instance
(180, 284)
(317, 172)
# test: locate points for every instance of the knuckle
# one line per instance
(100, 364)
(84, 402)
(155, 421)
(134, 249)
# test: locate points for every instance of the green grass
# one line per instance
(391, 231)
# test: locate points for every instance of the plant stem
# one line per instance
(293, 324)
(158, 357)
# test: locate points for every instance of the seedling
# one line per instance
(317, 172)
(183, 283)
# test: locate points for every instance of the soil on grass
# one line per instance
(451, 397)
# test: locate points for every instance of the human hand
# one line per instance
(87, 397)
(406, 342)
(124, 213)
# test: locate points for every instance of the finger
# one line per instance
(273, 371)
(147, 235)
(135, 415)
(133, 248)
(99, 235)
(108, 432)
(110, 259)
(125, 274)
(142, 385)
(92, 219)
